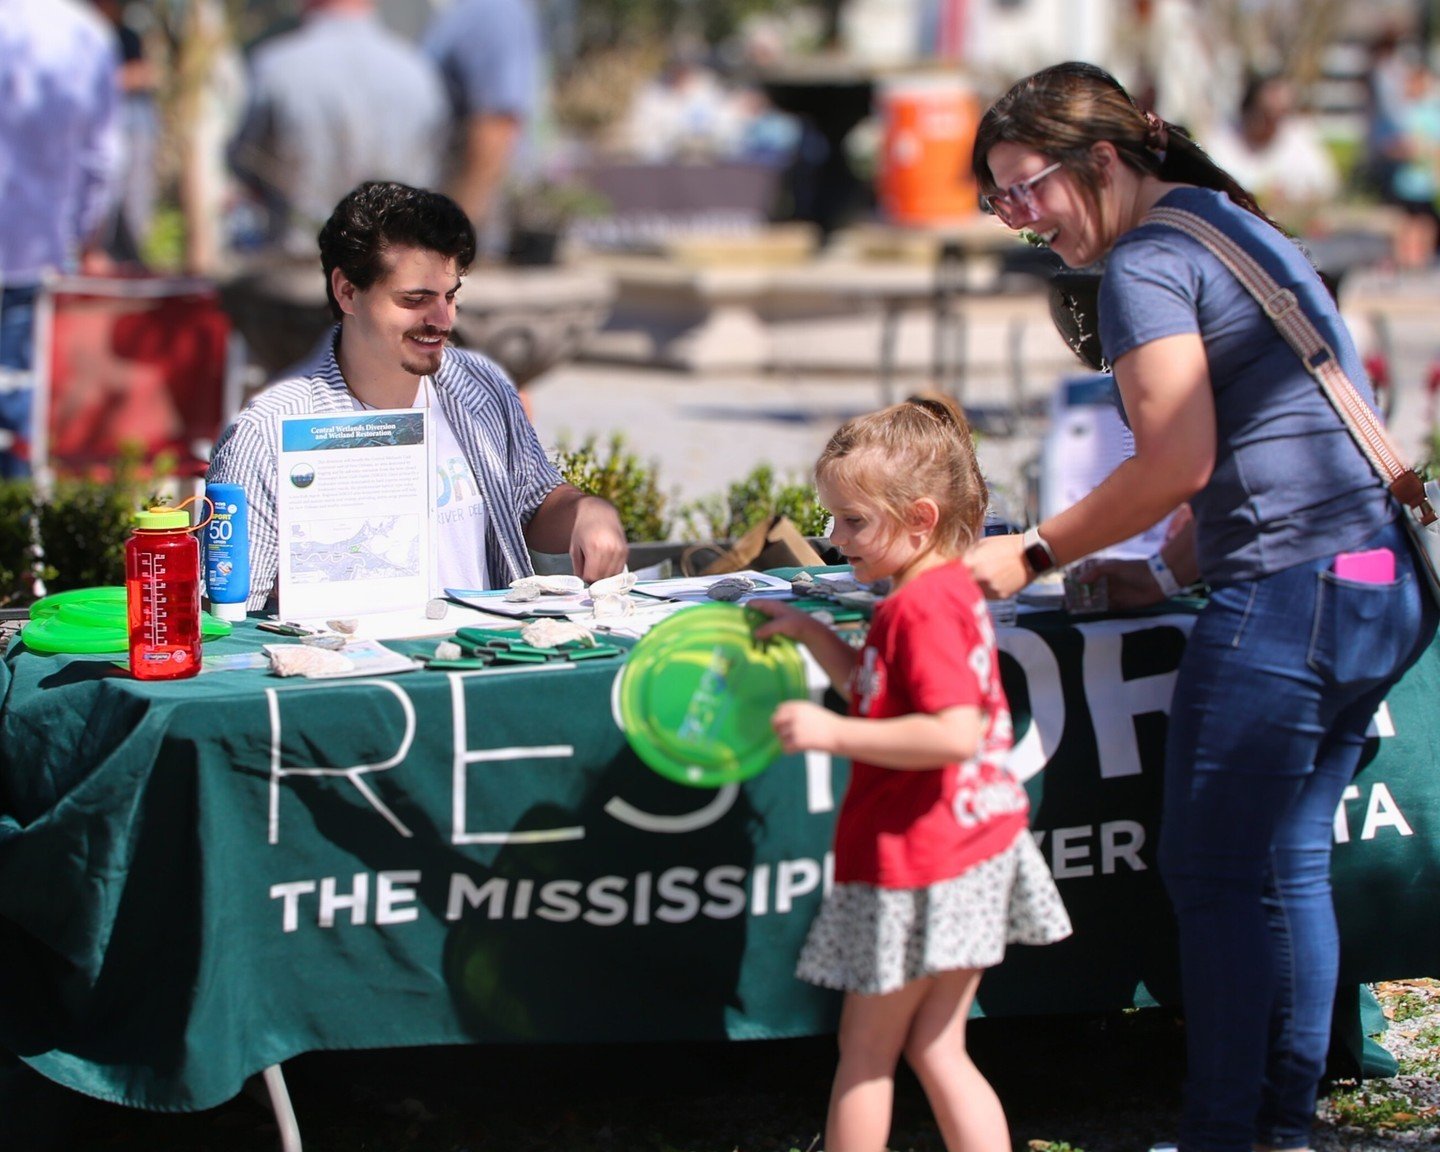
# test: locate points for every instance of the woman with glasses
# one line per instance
(1315, 608)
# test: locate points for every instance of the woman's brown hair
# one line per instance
(1065, 110)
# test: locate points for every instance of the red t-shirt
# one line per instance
(931, 646)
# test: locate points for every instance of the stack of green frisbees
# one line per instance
(91, 621)
(698, 691)
(481, 647)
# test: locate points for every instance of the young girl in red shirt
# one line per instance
(935, 869)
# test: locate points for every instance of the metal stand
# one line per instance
(284, 1112)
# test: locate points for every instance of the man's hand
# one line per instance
(587, 527)
(597, 541)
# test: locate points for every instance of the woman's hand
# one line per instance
(998, 565)
(1132, 583)
(805, 727)
(1128, 583)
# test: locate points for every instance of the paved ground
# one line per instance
(704, 430)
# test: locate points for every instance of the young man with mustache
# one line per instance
(393, 258)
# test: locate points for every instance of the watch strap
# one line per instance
(1164, 577)
(1037, 552)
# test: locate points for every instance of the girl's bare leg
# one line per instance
(872, 1035)
(965, 1106)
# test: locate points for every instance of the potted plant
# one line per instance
(540, 211)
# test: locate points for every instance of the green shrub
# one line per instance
(622, 478)
(17, 543)
(750, 500)
(79, 530)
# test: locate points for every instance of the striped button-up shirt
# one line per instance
(484, 410)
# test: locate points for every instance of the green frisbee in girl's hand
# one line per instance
(697, 693)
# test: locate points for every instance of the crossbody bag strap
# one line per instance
(1284, 309)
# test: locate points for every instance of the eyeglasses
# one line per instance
(1016, 206)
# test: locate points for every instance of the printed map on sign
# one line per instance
(354, 504)
(373, 549)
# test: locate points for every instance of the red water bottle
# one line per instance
(162, 595)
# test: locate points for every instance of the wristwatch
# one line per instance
(1038, 556)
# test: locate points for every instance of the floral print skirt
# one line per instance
(874, 940)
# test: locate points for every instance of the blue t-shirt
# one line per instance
(491, 54)
(1289, 484)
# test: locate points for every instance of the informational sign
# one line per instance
(354, 509)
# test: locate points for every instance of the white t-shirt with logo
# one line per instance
(459, 513)
(459, 521)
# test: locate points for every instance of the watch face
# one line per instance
(1038, 559)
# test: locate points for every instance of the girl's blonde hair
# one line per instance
(919, 448)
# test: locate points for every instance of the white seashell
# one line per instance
(435, 609)
(303, 660)
(553, 633)
(616, 585)
(448, 650)
(613, 604)
(561, 585)
(730, 588)
(522, 591)
(344, 627)
(549, 585)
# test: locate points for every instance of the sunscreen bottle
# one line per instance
(227, 551)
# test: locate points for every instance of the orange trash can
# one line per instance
(928, 138)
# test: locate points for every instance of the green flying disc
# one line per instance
(91, 621)
(698, 691)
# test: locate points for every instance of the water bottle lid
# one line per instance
(160, 518)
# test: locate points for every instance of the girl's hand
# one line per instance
(804, 726)
(785, 620)
(998, 565)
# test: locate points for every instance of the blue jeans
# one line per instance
(1277, 686)
(17, 324)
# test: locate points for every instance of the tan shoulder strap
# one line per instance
(1281, 305)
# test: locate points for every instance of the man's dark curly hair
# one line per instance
(380, 214)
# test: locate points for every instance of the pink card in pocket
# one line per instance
(1377, 566)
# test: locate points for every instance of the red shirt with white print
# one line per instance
(931, 646)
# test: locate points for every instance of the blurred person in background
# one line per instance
(1415, 180)
(335, 102)
(1276, 154)
(684, 113)
(140, 133)
(60, 158)
(492, 56)
(1399, 163)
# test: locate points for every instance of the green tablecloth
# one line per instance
(201, 879)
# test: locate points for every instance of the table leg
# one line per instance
(284, 1112)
